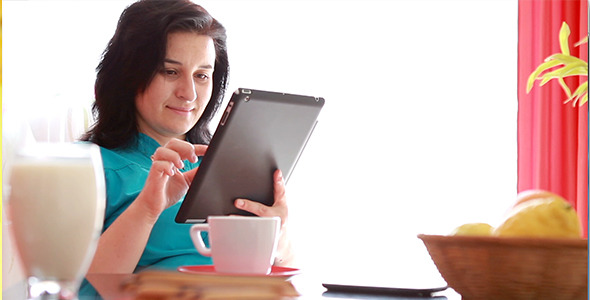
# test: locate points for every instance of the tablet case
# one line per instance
(259, 132)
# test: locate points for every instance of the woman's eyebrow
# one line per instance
(172, 61)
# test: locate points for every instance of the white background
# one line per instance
(418, 134)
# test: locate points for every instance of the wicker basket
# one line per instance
(511, 268)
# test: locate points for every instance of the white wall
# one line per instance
(418, 134)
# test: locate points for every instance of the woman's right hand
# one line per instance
(121, 245)
(166, 184)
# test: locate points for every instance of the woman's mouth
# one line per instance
(181, 110)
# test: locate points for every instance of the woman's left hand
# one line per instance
(278, 209)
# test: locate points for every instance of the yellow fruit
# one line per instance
(473, 229)
(533, 194)
(547, 216)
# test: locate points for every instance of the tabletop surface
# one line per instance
(109, 287)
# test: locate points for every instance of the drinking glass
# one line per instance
(56, 205)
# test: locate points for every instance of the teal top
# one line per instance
(126, 169)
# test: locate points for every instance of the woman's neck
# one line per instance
(163, 139)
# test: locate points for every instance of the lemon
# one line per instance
(533, 194)
(473, 229)
(549, 216)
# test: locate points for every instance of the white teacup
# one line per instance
(239, 244)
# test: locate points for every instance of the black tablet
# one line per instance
(335, 290)
(259, 132)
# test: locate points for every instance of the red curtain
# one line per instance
(552, 136)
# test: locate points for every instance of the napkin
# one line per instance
(176, 285)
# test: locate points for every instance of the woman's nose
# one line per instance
(186, 89)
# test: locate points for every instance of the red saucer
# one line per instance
(210, 270)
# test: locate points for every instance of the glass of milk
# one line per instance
(56, 205)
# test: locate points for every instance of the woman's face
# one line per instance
(176, 98)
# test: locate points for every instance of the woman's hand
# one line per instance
(278, 209)
(121, 245)
(165, 184)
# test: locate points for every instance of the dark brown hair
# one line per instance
(133, 57)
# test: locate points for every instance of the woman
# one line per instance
(160, 82)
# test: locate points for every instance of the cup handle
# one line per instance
(198, 239)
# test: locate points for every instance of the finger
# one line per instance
(200, 149)
(163, 167)
(168, 155)
(190, 175)
(186, 150)
(279, 189)
(254, 207)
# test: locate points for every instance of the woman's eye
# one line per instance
(202, 76)
(169, 72)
